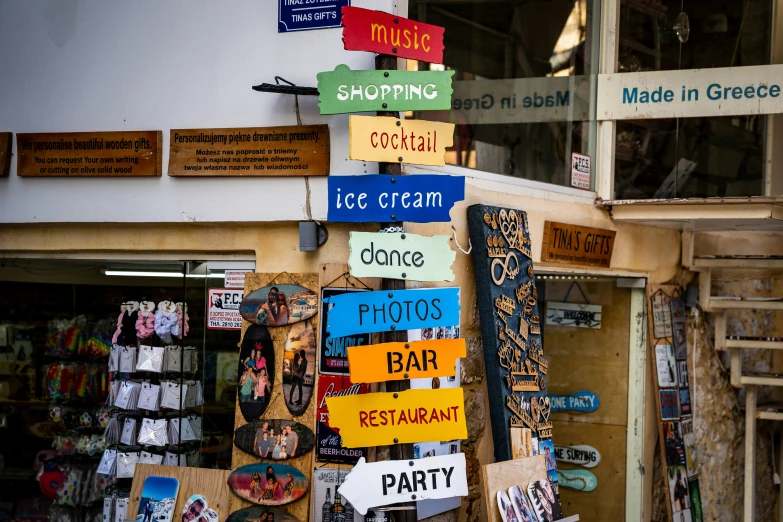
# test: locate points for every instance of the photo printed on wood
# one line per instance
(274, 439)
(256, 372)
(279, 305)
(299, 367)
(268, 484)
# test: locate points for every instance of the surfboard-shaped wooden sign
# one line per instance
(268, 484)
(272, 439)
(255, 372)
(279, 305)
(256, 513)
(578, 479)
(583, 455)
(299, 367)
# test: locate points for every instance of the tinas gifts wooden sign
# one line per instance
(577, 245)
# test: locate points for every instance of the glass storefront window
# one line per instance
(691, 157)
(523, 92)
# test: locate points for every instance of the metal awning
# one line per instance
(760, 213)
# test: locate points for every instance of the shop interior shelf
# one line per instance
(772, 411)
(762, 379)
(739, 262)
(745, 305)
(763, 345)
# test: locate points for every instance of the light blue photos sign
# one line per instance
(383, 311)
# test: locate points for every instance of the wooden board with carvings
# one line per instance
(208, 482)
(6, 141)
(89, 154)
(277, 407)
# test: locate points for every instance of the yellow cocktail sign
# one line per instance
(397, 361)
(380, 138)
(378, 419)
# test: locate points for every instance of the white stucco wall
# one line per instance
(102, 65)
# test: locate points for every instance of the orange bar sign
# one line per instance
(397, 361)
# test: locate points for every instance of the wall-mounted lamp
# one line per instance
(311, 236)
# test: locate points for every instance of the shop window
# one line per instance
(522, 88)
(691, 157)
(57, 322)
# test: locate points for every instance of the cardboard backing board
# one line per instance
(211, 483)
(277, 407)
(503, 475)
(665, 312)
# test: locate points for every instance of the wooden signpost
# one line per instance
(369, 312)
(423, 198)
(582, 455)
(343, 91)
(375, 138)
(401, 256)
(577, 245)
(389, 482)
(301, 150)
(6, 141)
(421, 415)
(89, 154)
(414, 360)
(383, 33)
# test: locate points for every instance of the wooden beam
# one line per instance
(736, 368)
(720, 332)
(749, 511)
(746, 305)
(762, 345)
(705, 290)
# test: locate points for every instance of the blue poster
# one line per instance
(380, 198)
(303, 15)
(384, 311)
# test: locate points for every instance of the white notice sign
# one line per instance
(223, 312)
(392, 481)
(580, 171)
(690, 93)
(235, 278)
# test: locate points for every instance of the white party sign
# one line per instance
(582, 455)
(690, 93)
(392, 481)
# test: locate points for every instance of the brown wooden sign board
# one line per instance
(6, 140)
(300, 150)
(89, 154)
(577, 245)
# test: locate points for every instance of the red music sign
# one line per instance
(379, 32)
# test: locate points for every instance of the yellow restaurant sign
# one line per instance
(379, 419)
(380, 138)
(396, 361)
